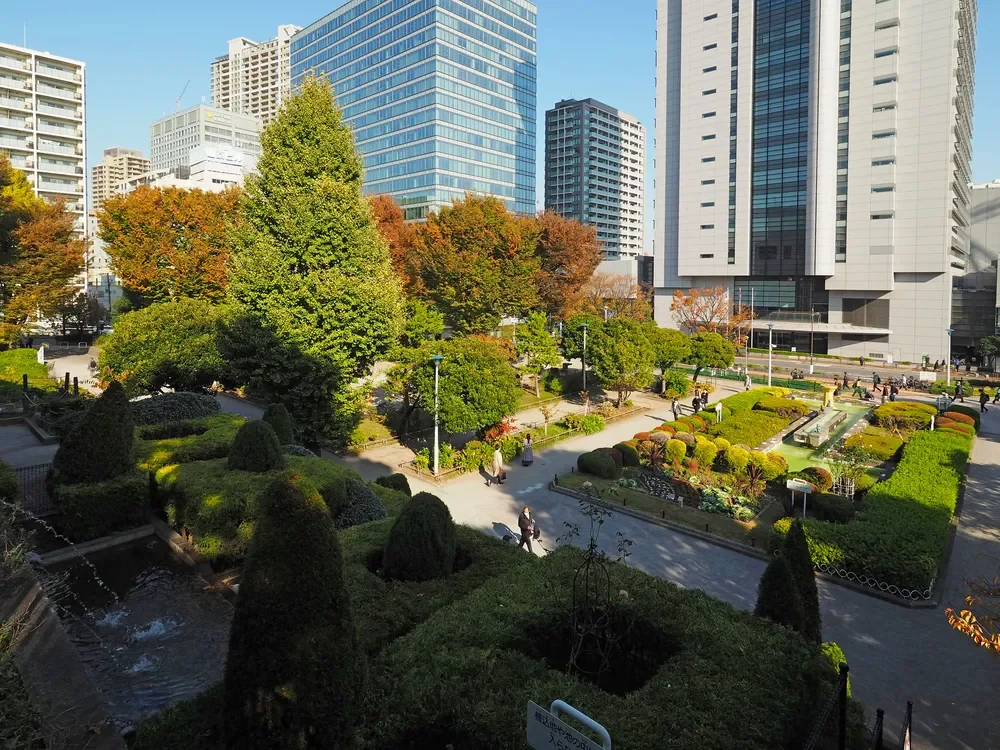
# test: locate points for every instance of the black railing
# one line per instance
(904, 735)
(33, 491)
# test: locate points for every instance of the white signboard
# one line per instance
(546, 732)
(799, 485)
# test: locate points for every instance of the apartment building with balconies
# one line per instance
(117, 165)
(43, 123)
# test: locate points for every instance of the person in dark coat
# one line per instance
(527, 526)
(893, 392)
(696, 402)
(959, 392)
(675, 408)
(983, 400)
(876, 379)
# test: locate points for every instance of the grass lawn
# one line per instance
(369, 431)
(756, 532)
(14, 364)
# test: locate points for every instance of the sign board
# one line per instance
(547, 732)
(799, 485)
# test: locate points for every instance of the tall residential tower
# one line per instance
(118, 164)
(815, 154)
(43, 123)
(441, 95)
(595, 161)
(254, 78)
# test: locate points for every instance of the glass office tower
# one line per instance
(440, 93)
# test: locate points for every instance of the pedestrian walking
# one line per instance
(747, 382)
(959, 392)
(893, 391)
(696, 402)
(983, 400)
(527, 526)
(876, 379)
(937, 364)
(527, 456)
(704, 397)
(885, 393)
(861, 361)
(845, 379)
(675, 407)
(996, 396)
(498, 473)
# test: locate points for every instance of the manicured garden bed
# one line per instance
(159, 445)
(901, 533)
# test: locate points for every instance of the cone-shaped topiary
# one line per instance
(280, 420)
(421, 544)
(256, 448)
(99, 447)
(295, 673)
(796, 551)
(778, 596)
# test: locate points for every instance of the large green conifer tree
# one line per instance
(308, 266)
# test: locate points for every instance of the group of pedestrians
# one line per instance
(499, 475)
(984, 397)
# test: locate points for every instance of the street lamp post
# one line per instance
(812, 333)
(437, 363)
(583, 357)
(605, 313)
(949, 331)
(770, 350)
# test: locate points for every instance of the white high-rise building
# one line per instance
(815, 154)
(595, 163)
(118, 164)
(255, 77)
(43, 127)
(172, 137)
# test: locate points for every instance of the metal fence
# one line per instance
(33, 492)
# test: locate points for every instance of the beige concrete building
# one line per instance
(172, 138)
(117, 165)
(43, 127)
(255, 77)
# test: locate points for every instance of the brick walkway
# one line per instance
(896, 654)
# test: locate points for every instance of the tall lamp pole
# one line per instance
(583, 357)
(605, 313)
(770, 350)
(437, 363)
(949, 331)
(812, 333)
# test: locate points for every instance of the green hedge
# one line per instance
(902, 530)
(8, 482)
(89, 511)
(630, 456)
(396, 481)
(909, 415)
(876, 442)
(729, 676)
(219, 506)
(969, 412)
(784, 407)
(203, 439)
(597, 464)
(741, 402)
(749, 427)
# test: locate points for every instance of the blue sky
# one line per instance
(140, 55)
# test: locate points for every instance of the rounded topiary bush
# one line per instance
(819, 476)
(295, 669)
(660, 438)
(280, 420)
(598, 464)
(722, 444)
(676, 450)
(705, 452)
(396, 482)
(422, 541)
(640, 436)
(99, 447)
(685, 437)
(256, 448)
(616, 456)
(630, 456)
(737, 458)
(665, 428)
(679, 427)
(362, 506)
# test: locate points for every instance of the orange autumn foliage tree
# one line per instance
(47, 256)
(397, 234)
(569, 253)
(710, 311)
(166, 243)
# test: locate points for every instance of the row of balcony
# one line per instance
(20, 84)
(28, 144)
(69, 113)
(48, 71)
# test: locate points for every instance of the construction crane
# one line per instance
(182, 94)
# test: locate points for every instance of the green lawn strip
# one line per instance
(369, 431)
(728, 680)
(754, 532)
(901, 533)
(214, 442)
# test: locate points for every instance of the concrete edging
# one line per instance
(95, 545)
(931, 603)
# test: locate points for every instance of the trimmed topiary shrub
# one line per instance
(863, 483)
(640, 436)
(597, 464)
(256, 448)
(173, 407)
(630, 456)
(592, 424)
(396, 481)
(778, 596)
(421, 543)
(8, 482)
(207, 438)
(660, 438)
(676, 450)
(705, 451)
(819, 476)
(737, 458)
(696, 423)
(903, 415)
(835, 655)
(784, 407)
(722, 444)
(99, 447)
(967, 411)
(780, 461)
(96, 509)
(832, 508)
(685, 437)
(363, 505)
(679, 426)
(877, 443)
(771, 469)
(615, 455)
(295, 673)
(961, 429)
(750, 427)
(280, 420)
(796, 551)
(959, 417)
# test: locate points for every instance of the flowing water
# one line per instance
(144, 626)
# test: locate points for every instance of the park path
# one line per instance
(896, 654)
